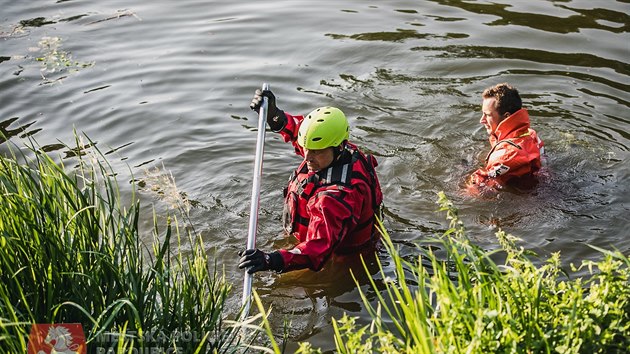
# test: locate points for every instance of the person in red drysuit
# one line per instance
(331, 199)
(515, 155)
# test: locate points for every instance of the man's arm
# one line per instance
(503, 164)
(289, 132)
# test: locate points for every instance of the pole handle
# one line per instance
(255, 199)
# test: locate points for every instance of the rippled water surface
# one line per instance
(167, 84)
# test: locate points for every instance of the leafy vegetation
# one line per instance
(472, 304)
(71, 253)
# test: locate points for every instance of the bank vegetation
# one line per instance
(71, 252)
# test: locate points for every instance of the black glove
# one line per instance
(275, 117)
(257, 260)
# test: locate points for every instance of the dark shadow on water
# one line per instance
(586, 18)
(36, 22)
(6, 133)
(532, 55)
(618, 100)
(399, 36)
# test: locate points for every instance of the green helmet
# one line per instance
(324, 127)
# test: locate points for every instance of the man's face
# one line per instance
(318, 159)
(490, 117)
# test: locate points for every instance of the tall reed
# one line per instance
(469, 303)
(71, 252)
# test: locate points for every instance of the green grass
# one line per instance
(70, 252)
(469, 303)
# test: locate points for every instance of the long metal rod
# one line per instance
(253, 212)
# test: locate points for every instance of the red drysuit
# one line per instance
(331, 210)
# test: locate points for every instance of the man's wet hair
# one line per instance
(507, 98)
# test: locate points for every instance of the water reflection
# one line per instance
(532, 55)
(616, 99)
(398, 36)
(311, 299)
(36, 22)
(6, 133)
(587, 18)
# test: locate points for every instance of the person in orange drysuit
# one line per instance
(515, 155)
(331, 199)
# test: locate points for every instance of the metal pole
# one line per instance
(253, 212)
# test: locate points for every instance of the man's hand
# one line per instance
(275, 117)
(257, 260)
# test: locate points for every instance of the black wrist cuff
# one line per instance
(276, 263)
(277, 122)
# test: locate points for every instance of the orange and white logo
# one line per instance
(67, 338)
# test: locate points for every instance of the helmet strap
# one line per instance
(338, 150)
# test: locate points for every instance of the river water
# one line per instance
(167, 85)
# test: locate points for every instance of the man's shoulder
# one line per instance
(505, 150)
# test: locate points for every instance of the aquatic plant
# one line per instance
(469, 303)
(72, 253)
(56, 60)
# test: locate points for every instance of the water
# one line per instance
(167, 85)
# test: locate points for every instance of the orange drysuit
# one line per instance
(515, 156)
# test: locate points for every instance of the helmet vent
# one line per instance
(322, 128)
